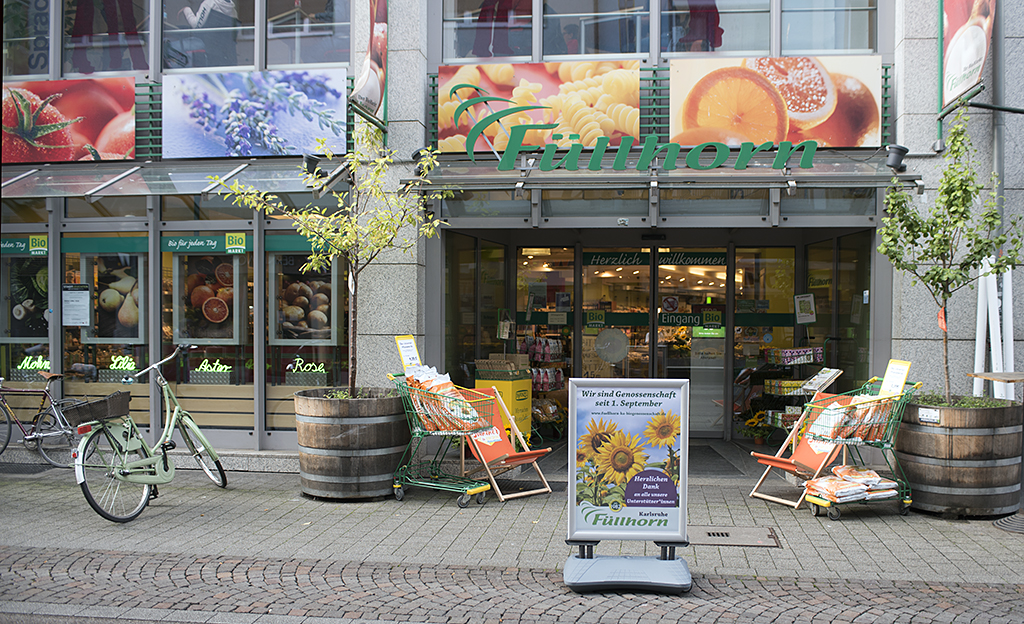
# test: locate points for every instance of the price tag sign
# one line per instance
(407, 351)
(74, 302)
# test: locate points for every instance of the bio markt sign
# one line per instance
(230, 243)
(33, 245)
(630, 440)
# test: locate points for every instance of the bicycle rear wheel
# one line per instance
(5, 427)
(54, 442)
(199, 448)
(102, 457)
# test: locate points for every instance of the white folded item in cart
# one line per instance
(883, 484)
(880, 494)
(834, 488)
(857, 474)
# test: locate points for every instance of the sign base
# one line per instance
(605, 573)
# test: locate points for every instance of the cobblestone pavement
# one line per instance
(260, 552)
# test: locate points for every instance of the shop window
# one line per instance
(831, 202)
(714, 202)
(108, 36)
(494, 204)
(26, 38)
(208, 33)
(595, 27)
(696, 26)
(318, 31)
(593, 203)
(195, 208)
(29, 210)
(827, 26)
(460, 307)
(106, 207)
(487, 28)
(24, 316)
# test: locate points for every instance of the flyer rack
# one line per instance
(444, 417)
(862, 417)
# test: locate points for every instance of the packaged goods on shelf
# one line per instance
(785, 387)
(802, 355)
(546, 411)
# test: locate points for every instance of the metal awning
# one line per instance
(118, 178)
(832, 169)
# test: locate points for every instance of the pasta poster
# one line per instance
(587, 99)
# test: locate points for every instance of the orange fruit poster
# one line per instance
(835, 101)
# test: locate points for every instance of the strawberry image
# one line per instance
(33, 130)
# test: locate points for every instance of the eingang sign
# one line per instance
(629, 448)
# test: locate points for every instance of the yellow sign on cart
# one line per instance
(518, 398)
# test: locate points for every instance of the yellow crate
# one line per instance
(518, 398)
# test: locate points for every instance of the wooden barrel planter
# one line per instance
(349, 448)
(968, 463)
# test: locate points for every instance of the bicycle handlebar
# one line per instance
(130, 379)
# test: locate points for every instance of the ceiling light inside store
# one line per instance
(619, 269)
(700, 281)
(536, 251)
(670, 267)
(636, 272)
(720, 276)
(607, 274)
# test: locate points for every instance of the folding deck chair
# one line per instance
(804, 462)
(496, 453)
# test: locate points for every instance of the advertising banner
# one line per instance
(631, 439)
(63, 120)
(271, 113)
(370, 92)
(833, 100)
(966, 33)
(589, 100)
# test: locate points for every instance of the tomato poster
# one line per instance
(64, 120)
(834, 100)
(630, 442)
(588, 99)
(270, 113)
(966, 33)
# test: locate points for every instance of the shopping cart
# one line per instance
(445, 418)
(859, 418)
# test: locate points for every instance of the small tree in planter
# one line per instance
(946, 248)
(373, 217)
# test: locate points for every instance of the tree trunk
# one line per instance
(945, 354)
(352, 296)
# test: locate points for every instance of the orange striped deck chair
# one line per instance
(496, 453)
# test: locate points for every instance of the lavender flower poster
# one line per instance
(269, 113)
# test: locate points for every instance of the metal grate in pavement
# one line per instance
(23, 469)
(1013, 524)
(757, 537)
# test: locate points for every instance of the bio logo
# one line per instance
(234, 243)
(37, 245)
(595, 318)
(712, 319)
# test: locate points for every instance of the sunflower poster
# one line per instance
(630, 443)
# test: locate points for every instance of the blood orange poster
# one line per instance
(835, 100)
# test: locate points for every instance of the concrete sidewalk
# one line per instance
(260, 552)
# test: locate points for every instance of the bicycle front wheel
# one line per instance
(103, 457)
(199, 448)
(5, 427)
(54, 441)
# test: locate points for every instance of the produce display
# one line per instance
(27, 298)
(207, 296)
(304, 308)
(116, 297)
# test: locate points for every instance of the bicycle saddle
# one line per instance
(48, 376)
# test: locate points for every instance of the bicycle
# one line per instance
(50, 433)
(119, 472)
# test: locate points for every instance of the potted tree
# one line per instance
(350, 428)
(946, 248)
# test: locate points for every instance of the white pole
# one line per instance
(979, 337)
(995, 336)
(1008, 361)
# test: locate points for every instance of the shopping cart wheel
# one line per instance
(399, 493)
(464, 501)
(815, 510)
(481, 497)
(904, 509)
(834, 513)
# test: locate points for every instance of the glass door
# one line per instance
(692, 329)
(616, 313)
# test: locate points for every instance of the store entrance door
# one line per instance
(616, 307)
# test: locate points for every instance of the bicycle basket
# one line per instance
(113, 406)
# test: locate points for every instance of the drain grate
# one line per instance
(718, 534)
(755, 537)
(1013, 524)
(23, 469)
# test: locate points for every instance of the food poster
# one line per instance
(303, 311)
(25, 315)
(210, 276)
(591, 99)
(118, 287)
(64, 120)
(370, 90)
(271, 113)
(630, 441)
(834, 100)
(966, 33)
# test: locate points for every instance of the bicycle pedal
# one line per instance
(153, 493)
(168, 446)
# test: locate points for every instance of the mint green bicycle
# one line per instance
(117, 471)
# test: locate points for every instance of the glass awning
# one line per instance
(831, 169)
(103, 179)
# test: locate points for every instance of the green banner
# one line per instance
(114, 244)
(33, 245)
(679, 319)
(232, 243)
(288, 242)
